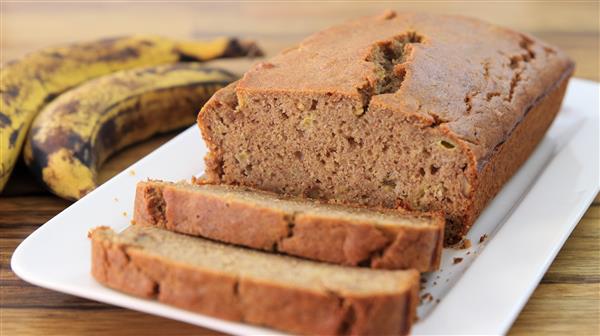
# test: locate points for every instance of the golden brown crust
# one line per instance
(111, 266)
(130, 269)
(341, 242)
(337, 240)
(522, 141)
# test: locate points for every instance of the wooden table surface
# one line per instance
(567, 301)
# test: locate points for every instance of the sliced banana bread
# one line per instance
(430, 112)
(255, 287)
(339, 234)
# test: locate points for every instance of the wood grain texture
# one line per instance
(567, 301)
(103, 321)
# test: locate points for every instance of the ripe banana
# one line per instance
(30, 83)
(75, 133)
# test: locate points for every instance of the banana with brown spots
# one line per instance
(30, 83)
(75, 133)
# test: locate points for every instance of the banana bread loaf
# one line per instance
(254, 287)
(423, 111)
(338, 234)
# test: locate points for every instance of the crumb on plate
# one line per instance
(426, 297)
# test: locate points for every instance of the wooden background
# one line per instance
(567, 301)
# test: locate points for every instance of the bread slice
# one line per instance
(338, 234)
(250, 286)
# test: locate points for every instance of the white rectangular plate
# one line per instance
(526, 225)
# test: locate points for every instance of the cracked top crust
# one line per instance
(472, 78)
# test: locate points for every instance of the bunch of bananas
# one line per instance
(74, 106)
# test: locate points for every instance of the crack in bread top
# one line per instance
(457, 73)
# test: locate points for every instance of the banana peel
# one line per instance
(27, 85)
(74, 134)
